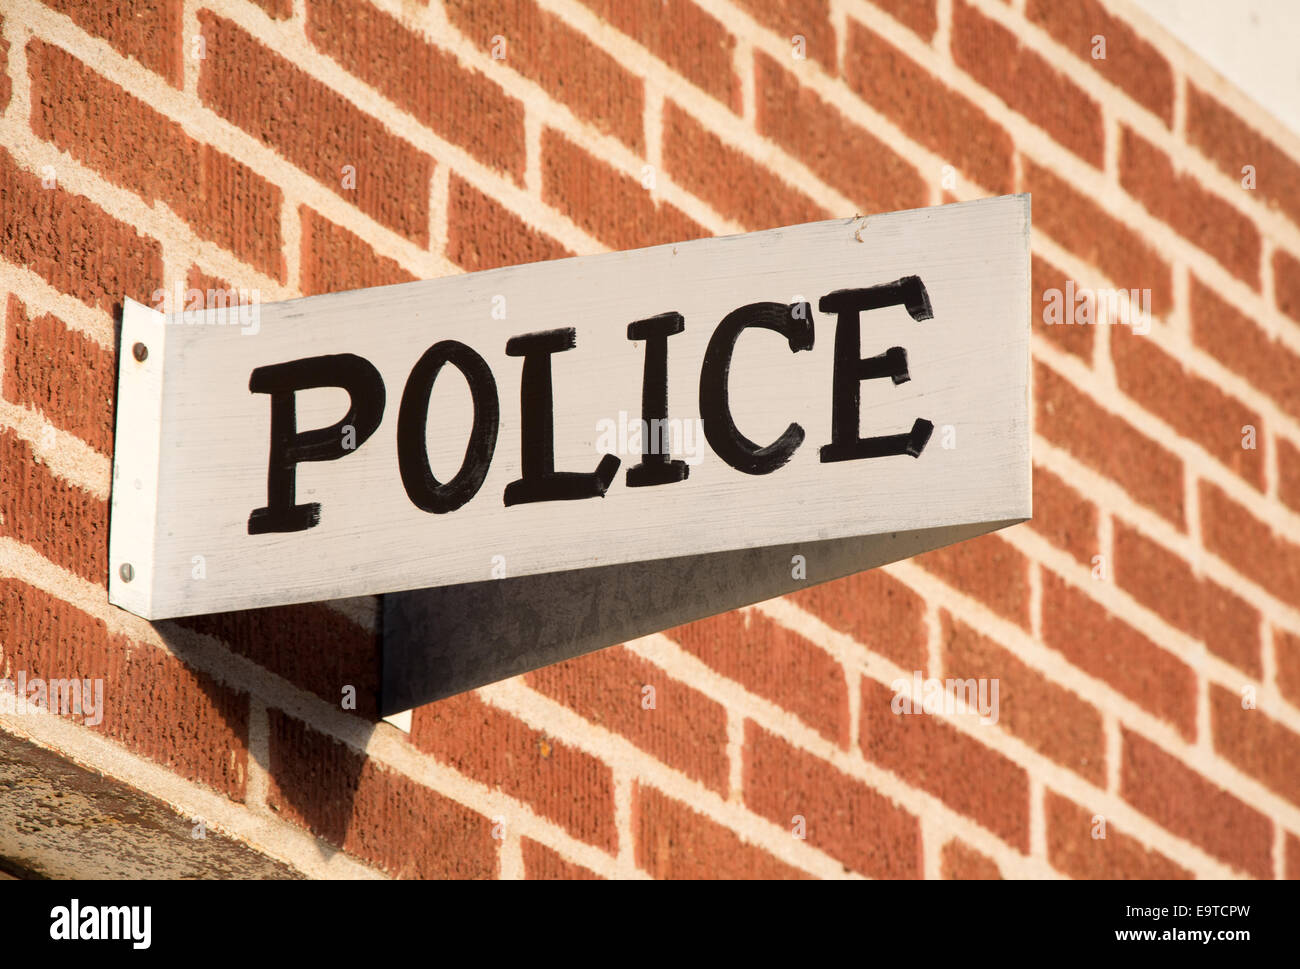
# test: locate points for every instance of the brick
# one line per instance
(929, 753)
(905, 91)
(288, 640)
(1292, 856)
(541, 863)
(876, 610)
(574, 70)
(732, 182)
(1132, 64)
(37, 348)
(810, 19)
(685, 729)
(1286, 647)
(682, 35)
(987, 568)
(1259, 745)
(1049, 288)
(1231, 144)
(1116, 653)
(463, 106)
(73, 244)
(561, 783)
(66, 525)
(135, 146)
(148, 31)
(856, 825)
(1194, 407)
(1192, 807)
(1072, 849)
(1236, 341)
(775, 663)
(334, 259)
(1064, 516)
(371, 811)
(1286, 283)
(922, 16)
(1108, 444)
(483, 234)
(1288, 470)
(315, 128)
(153, 704)
(960, 862)
(611, 205)
(1198, 215)
(1086, 229)
(279, 9)
(1200, 607)
(1026, 82)
(674, 841)
(1048, 717)
(1249, 545)
(831, 145)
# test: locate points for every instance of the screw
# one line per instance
(126, 572)
(141, 351)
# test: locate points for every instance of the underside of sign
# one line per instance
(563, 455)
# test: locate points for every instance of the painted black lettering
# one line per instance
(424, 490)
(850, 370)
(794, 322)
(365, 389)
(655, 467)
(539, 480)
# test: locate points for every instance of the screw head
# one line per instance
(126, 572)
(141, 351)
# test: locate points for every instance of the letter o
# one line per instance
(424, 490)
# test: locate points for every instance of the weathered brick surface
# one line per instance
(371, 811)
(36, 344)
(545, 49)
(987, 568)
(876, 610)
(464, 106)
(1046, 716)
(673, 841)
(1116, 653)
(499, 750)
(73, 244)
(1027, 82)
(960, 862)
(540, 862)
(1181, 800)
(775, 663)
(931, 754)
(321, 132)
(483, 234)
(1085, 844)
(1130, 62)
(148, 31)
(153, 704)
(66, 525)
(135, 146)
(335, 259)
(612, 205)
(677, 724)
(901, 90)
(843, 817)
(1064, 516)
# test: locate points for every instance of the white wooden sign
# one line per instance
(856, 377)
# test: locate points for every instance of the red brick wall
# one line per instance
(1158, 583)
